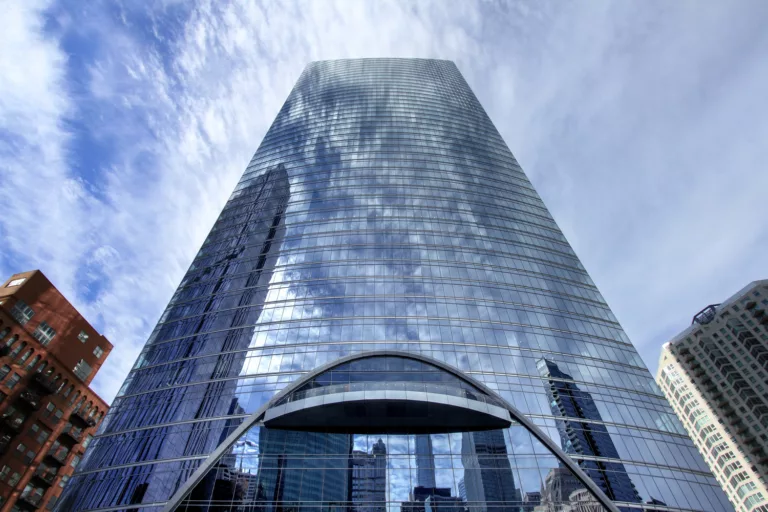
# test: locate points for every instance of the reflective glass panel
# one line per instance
(384, 212)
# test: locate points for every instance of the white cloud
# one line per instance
(637, 123)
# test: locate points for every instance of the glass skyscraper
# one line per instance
(385, 315)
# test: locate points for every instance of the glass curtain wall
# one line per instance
(383, 211)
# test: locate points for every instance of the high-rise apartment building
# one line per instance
(715, 374)
(385, 272)
(49, 355)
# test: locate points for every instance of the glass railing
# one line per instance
(424, 387)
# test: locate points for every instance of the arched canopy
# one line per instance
(387, 394)
(277, 412)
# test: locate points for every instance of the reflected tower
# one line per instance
(489, 483)
(369, 479)
(384, 268)
(425, 461)
(586, 437)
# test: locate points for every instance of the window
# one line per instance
(21, 448)
(18, 348)
(25, 356)
(13, 380)
(43, 435)
(82, 370)
(738, 478)
(16, 282)
(98, 351)
(21, 312)
(746, 489)
(32, 363)
(87, 441)
(4, 370)
(14, 479)
(83, 336)
(29, 457)
(75, 461)
(4, 472)
(44, 333)
(51, 502)
(64, 480)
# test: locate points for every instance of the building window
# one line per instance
(21, 312)
(83, 336)
(98, 351)
(14, 479)
(4, 473)
(44, 333)
(64, 480)
(82, 370)
(4, 370)
(746, 489)
(15, 378)
(16, 282)
(29, 457)
(87, 441)
(75, 461)
(43, 435)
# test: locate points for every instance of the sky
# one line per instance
(124, 127)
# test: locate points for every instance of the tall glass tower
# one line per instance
(386, 316)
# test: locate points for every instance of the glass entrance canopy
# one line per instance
(387, 393)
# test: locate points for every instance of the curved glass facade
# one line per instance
(383, 211)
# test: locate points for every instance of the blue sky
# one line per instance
(125, 125)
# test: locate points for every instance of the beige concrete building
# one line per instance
(715, 375)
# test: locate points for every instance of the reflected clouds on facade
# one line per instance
(384, 212)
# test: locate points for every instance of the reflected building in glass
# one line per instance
(385, 272)
(489, 481)
(369, 479)
(582, 432)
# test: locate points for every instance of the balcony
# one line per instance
(71, 435)
(41, 383)
(78, 418)
(724, 405)
(30, 500)
(5, 441)
(46, 477)
(12, 424)
(29, 399)
(57, 458)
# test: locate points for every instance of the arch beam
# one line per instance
(258, 416)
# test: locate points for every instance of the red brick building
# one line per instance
(49, 355)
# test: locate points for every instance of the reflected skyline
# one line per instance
(274, 470)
